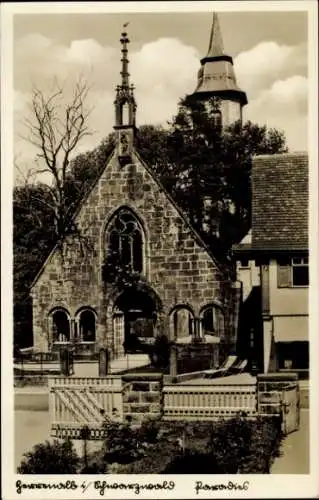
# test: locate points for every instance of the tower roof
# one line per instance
(216, 77)
(216, 46)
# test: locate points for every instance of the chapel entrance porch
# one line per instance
(134, 321)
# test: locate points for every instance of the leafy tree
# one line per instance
(34, 233)
(207, 169)
(33, 238)
(50, 458)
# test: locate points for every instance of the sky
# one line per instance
(269, 50)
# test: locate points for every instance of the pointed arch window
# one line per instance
(125, 241)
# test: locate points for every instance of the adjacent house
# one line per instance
(272, 264)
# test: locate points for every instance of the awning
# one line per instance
(291, 328)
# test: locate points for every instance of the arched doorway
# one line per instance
(134, 320)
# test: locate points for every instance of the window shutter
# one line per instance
(284, 276)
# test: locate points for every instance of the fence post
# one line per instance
(103, 362)
(65, 362)
(173, 361)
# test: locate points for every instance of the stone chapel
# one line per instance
(148, 271)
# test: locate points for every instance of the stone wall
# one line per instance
(142, 396)
(176, 266)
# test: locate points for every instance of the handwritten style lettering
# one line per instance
(67, 485)
(200, 486)
(102, 486)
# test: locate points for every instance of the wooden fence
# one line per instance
(79, 402)
(85, 402)
(208, 402)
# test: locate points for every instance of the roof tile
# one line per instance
(280, 202)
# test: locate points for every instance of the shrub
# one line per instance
(149, 430)
(265, 446)
(244, 446)
(160, 352)
(121, 444)
(50, 458)
(156, 460)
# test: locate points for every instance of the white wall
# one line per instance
(285, 301)
(249, 276)
(231, 112)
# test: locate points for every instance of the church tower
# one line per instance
(125, 107)
(216, 79)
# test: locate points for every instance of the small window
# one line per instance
(293, 272)
(300, 272)
(288, 364)
(244, 263)
(217, 120)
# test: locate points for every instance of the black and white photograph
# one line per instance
(160, 239)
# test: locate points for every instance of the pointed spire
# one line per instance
(216, 77)
(124, 73)
(216, 46)
(125, 105)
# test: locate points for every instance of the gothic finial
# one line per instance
(125, 105)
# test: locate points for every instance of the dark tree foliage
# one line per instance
(194, 161)
(34, 233)
(50, 458)
(33, 238)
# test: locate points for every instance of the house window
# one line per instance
(300, 272)
(293, 272)
(126, 241)
(244, 263)
(217, 119)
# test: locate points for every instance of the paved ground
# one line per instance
(31, 427)
(240, 379)
(91, 369)
(295, 457)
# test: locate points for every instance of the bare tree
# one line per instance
(56, 128)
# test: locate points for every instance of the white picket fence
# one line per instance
(77, 402)
(208, 402)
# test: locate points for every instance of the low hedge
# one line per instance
(235, 446)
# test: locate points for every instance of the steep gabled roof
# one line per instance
(280, 202)
(196, 236)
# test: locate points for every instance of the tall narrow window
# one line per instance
(300, 271)
(87, 326)
(125, 241)
(61, 326)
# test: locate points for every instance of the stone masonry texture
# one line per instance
(178, 269)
